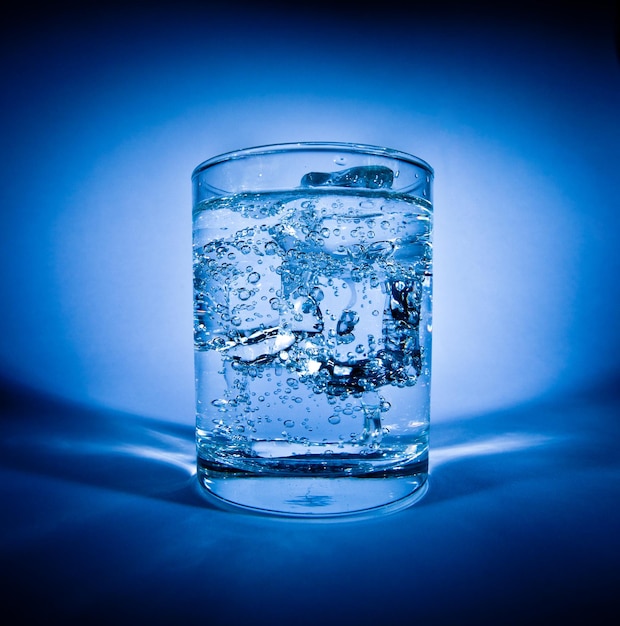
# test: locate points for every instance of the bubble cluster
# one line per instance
(313, 305)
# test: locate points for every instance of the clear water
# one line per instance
(313, 332)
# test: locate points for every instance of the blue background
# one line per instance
(106, 111)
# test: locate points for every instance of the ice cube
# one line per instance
(260, 346)
(352, 313)
(364, 176)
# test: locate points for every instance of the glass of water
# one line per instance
(312, 327)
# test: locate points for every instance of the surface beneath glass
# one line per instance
(103, 518)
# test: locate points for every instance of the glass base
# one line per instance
(312, 496)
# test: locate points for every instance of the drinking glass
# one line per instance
(312, 326)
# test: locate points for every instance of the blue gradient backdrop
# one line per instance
(106, 111)
(107, 114)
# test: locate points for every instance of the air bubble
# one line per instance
(307, 306)
(317, 294)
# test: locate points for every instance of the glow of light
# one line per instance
(97, 233)
(500, 444)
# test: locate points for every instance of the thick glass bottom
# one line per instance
(319, 494)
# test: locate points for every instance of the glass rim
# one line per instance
(326, 146)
